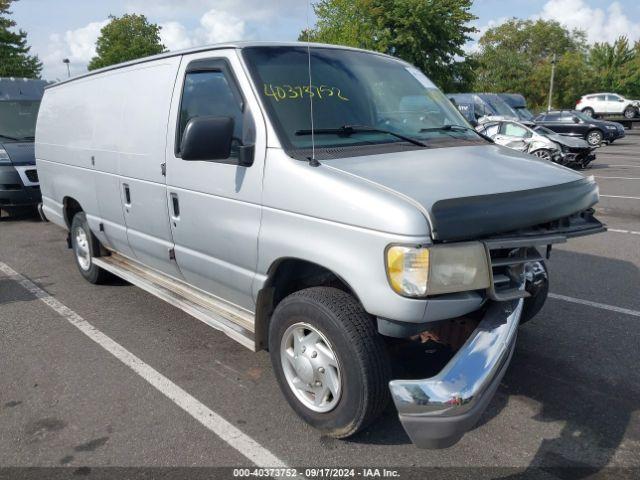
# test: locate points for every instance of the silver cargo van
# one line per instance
(200, 177)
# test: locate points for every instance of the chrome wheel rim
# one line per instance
(629, 113)
(83, 254)
(588, 112)
(311, 367)
(542, 154)
(594, 138)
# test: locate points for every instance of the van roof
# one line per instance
(26, 89)
(205, 48)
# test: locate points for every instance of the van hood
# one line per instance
(20, 153)
(475, 191)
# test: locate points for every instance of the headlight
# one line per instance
(4, 157)
(611, 127)
(422, 271)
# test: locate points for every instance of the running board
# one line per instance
(233, 321)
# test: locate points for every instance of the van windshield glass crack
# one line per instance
(375, 94)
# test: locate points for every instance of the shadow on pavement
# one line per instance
(579, 367)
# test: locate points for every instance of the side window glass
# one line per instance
(513, 130)
(601, 98)
(614, 98)
(209, 93)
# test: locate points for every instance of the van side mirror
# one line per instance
(207, 138)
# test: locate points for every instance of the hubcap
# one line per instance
(311, 367)
(594, 138)
(82, 249)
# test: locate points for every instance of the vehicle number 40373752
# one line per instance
(296, 92)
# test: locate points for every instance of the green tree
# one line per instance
(427, 33)
(615, 66)
(516, 57)
(15, 60)
(126, 38)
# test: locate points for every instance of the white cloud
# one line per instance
(78, 45)
(220, 26)
(174, 36)
(82, 41)
(600, 25)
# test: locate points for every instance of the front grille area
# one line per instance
(509, 259)
(32, 175)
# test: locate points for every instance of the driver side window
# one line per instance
(208, 93)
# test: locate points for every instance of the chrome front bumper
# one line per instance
(436, 412)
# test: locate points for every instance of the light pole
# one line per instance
(554, 59)
(67, 62)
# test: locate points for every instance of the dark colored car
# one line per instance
(518, 103)
(577, 124)
(19, 105)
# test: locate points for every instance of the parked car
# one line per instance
(608, 104)
(479, 108)
(19, 103)
(519, 104)
(576, 124)
(519, 137)
(200, 177)
(576, 152)
(541, 142)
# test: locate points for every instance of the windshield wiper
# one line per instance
(459, 128)
(28, 138)
(10, 138)
(348, 130)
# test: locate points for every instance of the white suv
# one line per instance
(608, 104)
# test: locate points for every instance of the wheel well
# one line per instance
(285, 277)
(70, 207)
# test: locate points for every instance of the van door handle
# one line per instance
(175, 205)
(127, 194)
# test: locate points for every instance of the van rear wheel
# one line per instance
(86, 246)
(329, 360)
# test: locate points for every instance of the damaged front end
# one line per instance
(437, 411)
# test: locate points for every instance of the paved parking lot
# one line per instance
(109, 375)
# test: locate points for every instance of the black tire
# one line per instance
(589, 112)
(594, 137)
(533, 305)
(93, 273)
(630, 112)
(360, 351)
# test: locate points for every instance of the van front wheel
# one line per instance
(329, 360)
(85, 246)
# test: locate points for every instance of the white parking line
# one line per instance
(602, 306)
(617, 230)
(617, 165)
(244, 444)
(618, 178)
(620, 196)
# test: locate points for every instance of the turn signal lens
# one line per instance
(408, 270)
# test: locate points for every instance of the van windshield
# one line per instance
(499, 106)
(350, 88)
(18, 120)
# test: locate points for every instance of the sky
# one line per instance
(69, 28)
